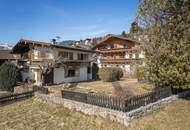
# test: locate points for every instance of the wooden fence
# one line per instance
(44, 90)
(117, 103)
(15, 97)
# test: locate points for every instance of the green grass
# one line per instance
(33, 114)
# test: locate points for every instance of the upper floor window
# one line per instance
(82, 56)
(42, 55)
(66, 55)
(112, 46)
(130, 55)
(109, 47)
(137, 55)
(124, 45)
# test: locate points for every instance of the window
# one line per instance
(137, 55)
(89, 69)
(82, 56)
(70, 56)
(73, 71)
(124, 46)
(112, 46)
(66, 55)
(60, 54)
(42, 55)
(130, 55)
(122, 56)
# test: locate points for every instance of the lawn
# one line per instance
(128, 87)
(33, 114)
(175, 116)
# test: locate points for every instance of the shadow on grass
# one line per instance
(13, 101)
(73, 85)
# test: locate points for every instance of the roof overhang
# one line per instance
(111, 37)
(24, 45)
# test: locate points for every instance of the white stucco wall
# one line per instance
(134, 55)
(59, 76)
(141, 54)
(75, 53)
(127, 68)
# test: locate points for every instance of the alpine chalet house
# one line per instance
(75, 65)
(121, 52)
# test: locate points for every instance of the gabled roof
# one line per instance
(23, 44)
(103, 42)
(73, 48)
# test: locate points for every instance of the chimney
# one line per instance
(54, 41)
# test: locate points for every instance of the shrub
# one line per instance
(19, 75)
(8, 76)
(109, 74)
(119, 72)
(141, 73)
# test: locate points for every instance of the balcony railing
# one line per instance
(120, 60)
(119, 50)
(75, 60)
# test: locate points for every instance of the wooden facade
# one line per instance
(119, 51)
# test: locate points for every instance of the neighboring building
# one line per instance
(76, 66)
(119, 51)
(88, 43)
(5, 55)
(66, 43)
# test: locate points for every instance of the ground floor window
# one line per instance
(89, 69)
(73, 71)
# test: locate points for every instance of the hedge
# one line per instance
(8, 76)
(109, 74)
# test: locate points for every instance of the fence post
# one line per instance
(34, 88)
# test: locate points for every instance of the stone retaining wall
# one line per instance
(124, 118)
(139, 112)
(83, 107)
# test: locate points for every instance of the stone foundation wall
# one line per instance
(124, 118)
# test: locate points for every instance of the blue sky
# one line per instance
(69, 19)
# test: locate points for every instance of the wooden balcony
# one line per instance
(119, 50)
(121, 60)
